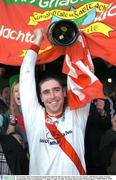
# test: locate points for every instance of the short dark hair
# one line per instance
(47, 78)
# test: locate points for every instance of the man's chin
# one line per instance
(55, 112)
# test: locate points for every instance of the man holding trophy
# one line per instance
(55, 132)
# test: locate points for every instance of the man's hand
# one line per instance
(100, 104)
(38, 36)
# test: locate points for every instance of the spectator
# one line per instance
(4, 116)
(16, 119)
(4, 86)
(13, 158)
(5, 93)
(2, 71)
(99, 121)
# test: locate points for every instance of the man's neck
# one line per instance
(59, 114)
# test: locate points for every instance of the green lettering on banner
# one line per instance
(50, 4)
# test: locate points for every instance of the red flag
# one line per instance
(82, 85)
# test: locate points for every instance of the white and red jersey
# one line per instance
(46, 155)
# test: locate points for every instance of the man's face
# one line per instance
(52, 95)
(16, 94)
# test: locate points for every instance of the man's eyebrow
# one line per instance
(45, 90)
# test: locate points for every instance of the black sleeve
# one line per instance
(15, 155)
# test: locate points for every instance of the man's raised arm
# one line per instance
(28, 95)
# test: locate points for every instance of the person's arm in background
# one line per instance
(28, 95)
(103, 108)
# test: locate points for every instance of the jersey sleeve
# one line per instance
(28, 95)
(82, 116)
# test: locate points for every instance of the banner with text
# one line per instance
(18, 19)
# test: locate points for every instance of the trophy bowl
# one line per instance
(63, 33)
